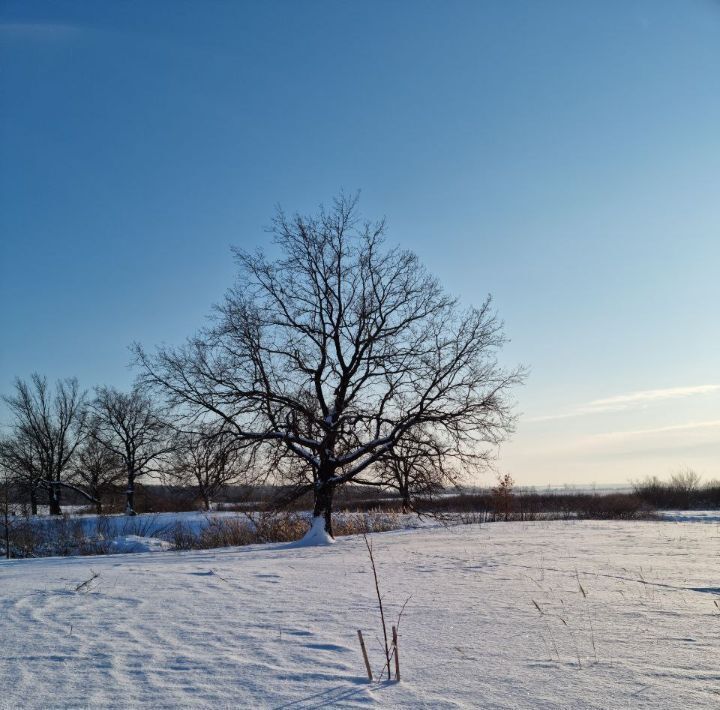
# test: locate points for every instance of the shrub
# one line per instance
(683, 490)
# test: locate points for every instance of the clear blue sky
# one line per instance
(564, 156)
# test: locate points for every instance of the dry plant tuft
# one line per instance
(86, 586)
(390, 649)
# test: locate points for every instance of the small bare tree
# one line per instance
(132, 427)
(97, 470)
(19, 459)
(685, 481)
(338, 348)
(47, 429)
(503, 495)
(418, 465)
(207, 460)
(7, 513)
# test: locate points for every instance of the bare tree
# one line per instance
(20, 461)
(685, 481)
(336, 349)
(7, 514)
(208, 460)
(131, 427)
(97, 470)
(48, 428)
(419, 464)
(503, 495)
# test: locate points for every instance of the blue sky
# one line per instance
(563, 156)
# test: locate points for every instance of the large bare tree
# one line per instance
(335, 349)
(132, 427)
(46, 432)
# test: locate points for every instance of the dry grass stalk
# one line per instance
(396, 653)
(365, 656)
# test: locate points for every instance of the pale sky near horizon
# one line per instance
(563, 156)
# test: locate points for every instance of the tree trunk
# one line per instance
(130, 506)
(7, 532)
(206, 498)
(323, 506)
(33, 501)
(6, 517)
(405, 494)
(95, 493)
(54, 498)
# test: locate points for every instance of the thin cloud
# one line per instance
(641, 433)
(625, 400)
(632, 400)
(687, 437)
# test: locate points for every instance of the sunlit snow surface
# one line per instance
(272, 626)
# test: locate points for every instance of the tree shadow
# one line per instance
(333, 696)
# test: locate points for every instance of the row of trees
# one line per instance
(62, 439)
(338, 361)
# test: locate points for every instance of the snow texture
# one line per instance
(562, 614)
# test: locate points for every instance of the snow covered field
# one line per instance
(530, 615)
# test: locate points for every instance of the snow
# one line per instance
(136, 543)
(317, 535)
(628, 617)
(691, 516)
